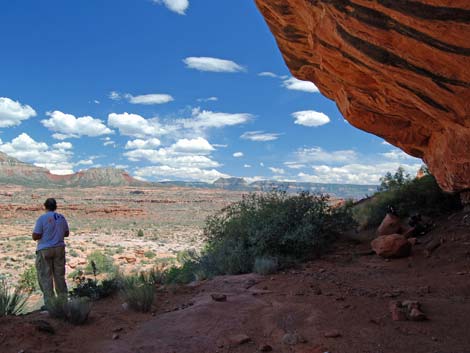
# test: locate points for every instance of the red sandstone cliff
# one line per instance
(399, 69)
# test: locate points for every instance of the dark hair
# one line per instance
(50, 204)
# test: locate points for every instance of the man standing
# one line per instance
(49, 231)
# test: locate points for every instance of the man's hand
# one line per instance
(37, 236)
(66, 234)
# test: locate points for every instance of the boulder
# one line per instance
(391, 246)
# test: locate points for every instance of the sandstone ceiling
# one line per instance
(399, 69)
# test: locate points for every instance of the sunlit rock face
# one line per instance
(399, 69)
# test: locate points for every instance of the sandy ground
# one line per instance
(345, 294)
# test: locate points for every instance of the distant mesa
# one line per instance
(15, 172)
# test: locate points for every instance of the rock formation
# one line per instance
(399, 69)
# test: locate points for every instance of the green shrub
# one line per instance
(78, 310)
(138, 294)
(140, 233)
(29, 280)
(149, 254)
(407, 196)
(265, 265)
(75, 310)
(12, 301)
(103, 263)
(275, 225)
(92, 289)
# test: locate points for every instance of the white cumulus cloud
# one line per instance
(260, 136)
(318, 154)
(203, 119)
(197, 145)
(277, 170)
(212, 64)
(238, 154)
(149, 99)
(179, 173)
(297, 85)
(178, 6)
(67, 125)
(135, 125)
(143, 144)
(310, 118)
(26, 149)
(12, 113)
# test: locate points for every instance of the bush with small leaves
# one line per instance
(140, 233)
(29, 280)
(75, 310)
(138, 294)
(265, 265)
(98, 262)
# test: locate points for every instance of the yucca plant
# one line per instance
(138, 294)
(12, 301)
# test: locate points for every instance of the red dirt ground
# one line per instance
(345, 291)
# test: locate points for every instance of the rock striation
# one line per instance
(399, 69)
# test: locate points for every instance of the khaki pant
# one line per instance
(50, 266)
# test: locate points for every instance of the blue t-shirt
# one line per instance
(52, 226)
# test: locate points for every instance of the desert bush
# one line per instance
(78, 310)
(156, 275)
(92, 289)
(149, 254)
(407, 196)
(29, 280)
(12, 301)
(102, 263)
(265, 265)
(275, 224)
(75, 310)
(137, 293)
(140, 233)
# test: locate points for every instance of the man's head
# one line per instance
(50, 204)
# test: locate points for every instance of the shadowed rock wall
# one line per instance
(399, 69)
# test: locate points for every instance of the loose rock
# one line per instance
(391, 246)
(239, 339)
(219, 297)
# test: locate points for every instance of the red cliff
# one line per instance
(399, 69)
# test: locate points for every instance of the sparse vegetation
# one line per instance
(92, 289)
(102, 263)
(272, 226)
(140, 233)
(265, 265)
(12, 301)
(75, 310)
(29, 280)
(138, 293)
(408, 196)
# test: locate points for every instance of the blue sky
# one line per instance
(170, 90)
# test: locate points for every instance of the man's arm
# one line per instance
(37, 231)
(66, 233)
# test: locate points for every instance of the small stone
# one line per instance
(118, 329)
(237, 340)
(265, 348)
(219, 297)
(291, 339)
(398, 313)
(332, 334)
(43, 326)
(115, 336)
(125, 306)
(416, 315)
